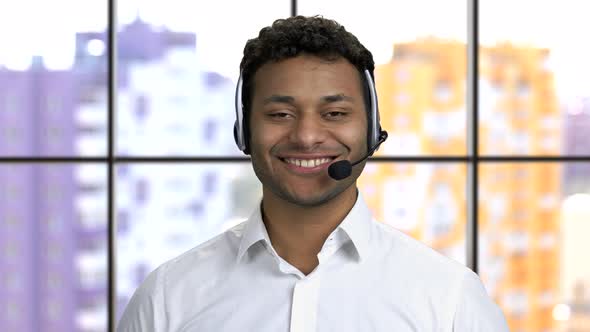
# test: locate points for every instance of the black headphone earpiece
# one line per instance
(240, 125)
(236, 131)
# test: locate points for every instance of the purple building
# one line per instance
(44, 235)
(577, 136)
(18, 248)
(16, 121)
(140, 41)
(38, 233)
(39, 219)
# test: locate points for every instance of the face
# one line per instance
(306, 114)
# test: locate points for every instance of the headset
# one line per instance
(376, 135)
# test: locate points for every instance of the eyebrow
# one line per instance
(279, 99)
(290, 100)
(336, 98)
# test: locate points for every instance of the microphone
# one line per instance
(343, 168)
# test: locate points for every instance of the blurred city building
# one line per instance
(422, 102)
(170, 104)
(520, 202)
(53, 256)
(53, 236)
(422, 105)
(576, 137)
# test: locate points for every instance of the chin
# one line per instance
(308, 198)
(306, 201)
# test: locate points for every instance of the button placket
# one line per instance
(305, 304)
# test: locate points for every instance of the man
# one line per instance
(310, 257)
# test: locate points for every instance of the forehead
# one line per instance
(306, 75)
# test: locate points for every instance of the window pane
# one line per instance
(420, 58)
(165, 210)
(534, 96)
(53, 78)
(426, 201)
(533, 243)
(178, 66)
(53, 245)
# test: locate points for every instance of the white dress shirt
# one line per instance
(370, 277)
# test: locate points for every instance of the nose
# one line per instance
(308, 132)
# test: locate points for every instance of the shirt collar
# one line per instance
(356, 225)
(254, 232)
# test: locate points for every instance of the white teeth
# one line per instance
(307, 162)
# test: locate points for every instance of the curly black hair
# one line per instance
(290, 37)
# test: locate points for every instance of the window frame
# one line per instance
(472, 159)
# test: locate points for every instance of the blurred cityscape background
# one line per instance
(177, 64)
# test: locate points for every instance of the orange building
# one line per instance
(422, 94)
(422, 105)
(520, 217)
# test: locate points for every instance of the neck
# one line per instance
(298, 232)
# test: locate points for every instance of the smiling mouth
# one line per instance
(308, 163)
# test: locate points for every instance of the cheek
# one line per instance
(356, 135)
(262, 139)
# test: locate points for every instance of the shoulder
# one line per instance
(418, 272)
(452, 289)
(212, 256)
(149, 308)
(143, 310)
(475, 310)
(415, 257)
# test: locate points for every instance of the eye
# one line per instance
(279, 115)
(335, 114)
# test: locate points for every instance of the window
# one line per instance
(487, 159)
